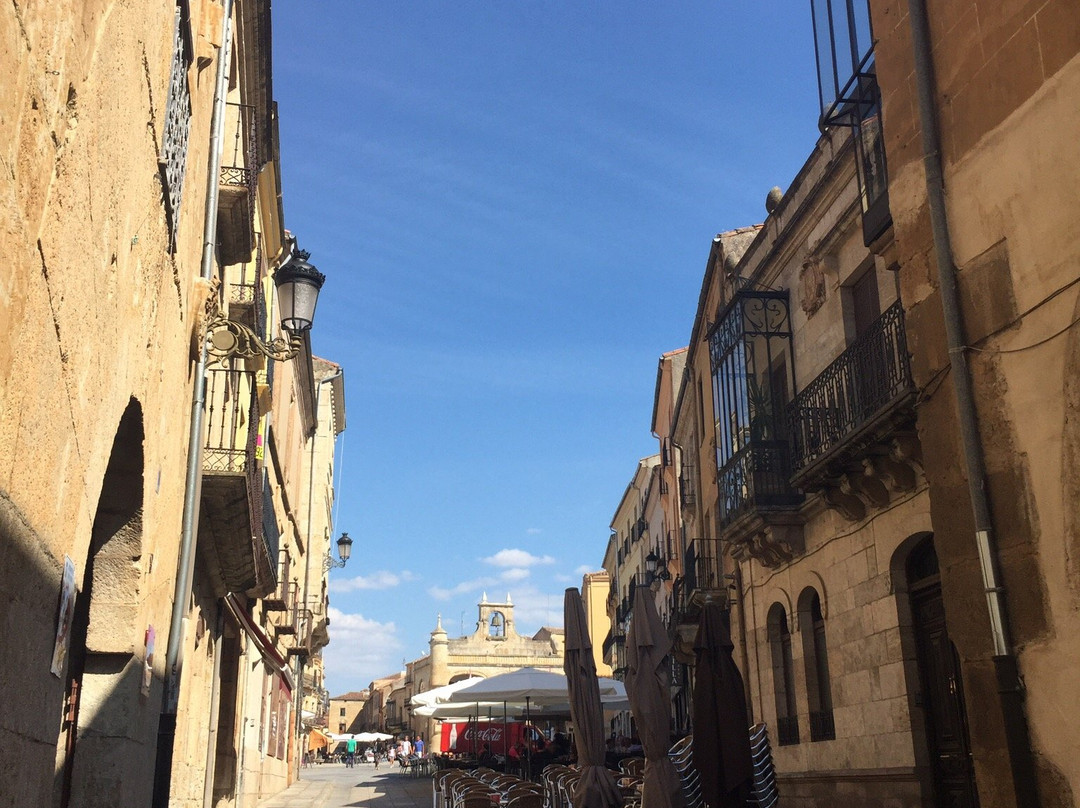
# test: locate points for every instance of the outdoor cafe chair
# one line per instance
(525, 800)
(632, 765)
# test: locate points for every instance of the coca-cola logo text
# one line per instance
(487, 734)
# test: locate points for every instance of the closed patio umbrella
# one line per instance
(648, 685)
(721, 724)
(596, 787)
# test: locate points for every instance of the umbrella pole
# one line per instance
(528, 746)
(506, 739)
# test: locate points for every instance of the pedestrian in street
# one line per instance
(350, 753)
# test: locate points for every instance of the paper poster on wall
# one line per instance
(148, 664)
(64, 618)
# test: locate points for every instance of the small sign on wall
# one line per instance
(63, 619)
(148, 664)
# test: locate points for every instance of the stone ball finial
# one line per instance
(772, 200)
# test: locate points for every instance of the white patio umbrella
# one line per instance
(439, 695)
(531, 686)
(463, 710)
(371, 737)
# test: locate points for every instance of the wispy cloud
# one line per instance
(360, 649)
(517, 558)
(585, 569)
(534, 531)
(514, 574)
(463, 588)
(382, 579)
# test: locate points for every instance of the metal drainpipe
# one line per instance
(1010, 687)
(307, 554)
(185, 567)
(215, 712)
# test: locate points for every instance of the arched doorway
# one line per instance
(105, 728)
(946, 730)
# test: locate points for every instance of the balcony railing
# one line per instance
(235, 512)
(756, 478)
(686, 487)
(861, 384)
(238, 163)
(238, 184)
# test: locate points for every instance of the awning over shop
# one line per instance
(318, 739)
(266, 648)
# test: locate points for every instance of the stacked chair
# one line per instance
(763, 792)
(682, 755)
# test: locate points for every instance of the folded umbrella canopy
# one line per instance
(721, 725)
(648, 685)
(596, 788)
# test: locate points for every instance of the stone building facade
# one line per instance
(895, 548)
(346, 712)
(136, 675)
(493, 647)
(595, 588)
(1002, 98)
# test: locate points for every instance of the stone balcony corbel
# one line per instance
(771, 538)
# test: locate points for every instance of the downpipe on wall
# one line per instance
(185, 568)
(1010, 687)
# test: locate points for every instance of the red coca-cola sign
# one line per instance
(484, 734)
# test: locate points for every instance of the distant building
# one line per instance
(493, 647)
(346, 711)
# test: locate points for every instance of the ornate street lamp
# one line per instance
(652, 560)
(298, 284)
(344, 548)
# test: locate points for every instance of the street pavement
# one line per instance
(332, 785)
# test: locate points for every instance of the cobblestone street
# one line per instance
(332, 785)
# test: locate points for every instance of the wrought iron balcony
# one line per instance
(686, 487)
(702, 578)
(750, 350)
(238, 184)
(278, 600)
(868, 378)
(853, 425)
(756, 478)
(234, 511)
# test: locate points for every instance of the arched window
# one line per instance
(787, 719)
(816, 660)
(497, 627)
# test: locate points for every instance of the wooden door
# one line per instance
(942, 697)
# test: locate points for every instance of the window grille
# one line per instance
(172, 160)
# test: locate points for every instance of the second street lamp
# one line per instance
(344, 548)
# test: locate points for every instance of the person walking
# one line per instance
(350, 753)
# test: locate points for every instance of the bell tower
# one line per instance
(496, 620)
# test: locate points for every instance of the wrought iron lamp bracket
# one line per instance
(227, 339)
(329, 562)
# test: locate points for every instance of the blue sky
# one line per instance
(513, 203)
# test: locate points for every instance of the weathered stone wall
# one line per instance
(95, 313)
(1008, 84)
